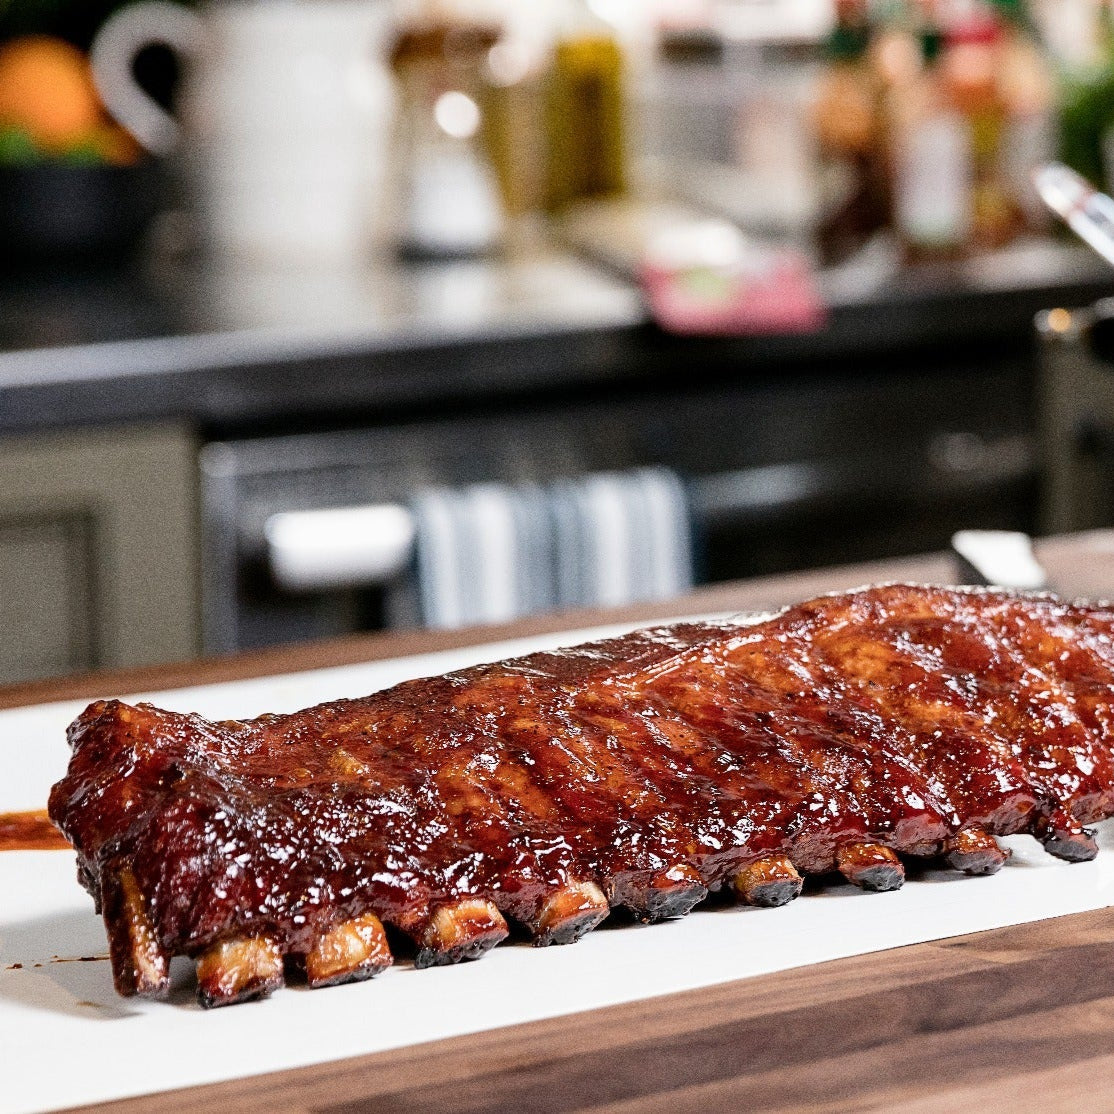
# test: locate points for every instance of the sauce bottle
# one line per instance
(933, 160)
(847, 124)
(584, 111)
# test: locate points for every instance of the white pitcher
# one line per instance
(285, 119)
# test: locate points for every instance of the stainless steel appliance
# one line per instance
(791, 471)
(1076, 408)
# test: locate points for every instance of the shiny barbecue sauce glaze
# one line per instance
(899, 715)
(30, 831)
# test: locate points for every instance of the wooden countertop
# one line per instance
(1005, 1017)
(982, 1022)
(1079, 565)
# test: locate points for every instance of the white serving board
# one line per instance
(66, 1013)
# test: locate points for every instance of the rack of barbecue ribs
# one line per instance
(639, 773)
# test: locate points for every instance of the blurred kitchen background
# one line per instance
(320, 316)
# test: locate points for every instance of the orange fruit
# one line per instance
(113, 145)
(47, 89)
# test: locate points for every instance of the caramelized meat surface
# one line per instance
(641, 772)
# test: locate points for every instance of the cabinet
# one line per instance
(98, 545)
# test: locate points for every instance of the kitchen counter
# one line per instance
(982, 1020)
(225, 347)
(985, 1021)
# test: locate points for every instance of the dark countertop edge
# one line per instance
(228, 393)
(220, 378)
(246, 347)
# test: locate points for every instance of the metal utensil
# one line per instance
(1002, 558)
(1088, 212)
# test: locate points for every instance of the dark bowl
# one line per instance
(55, 211)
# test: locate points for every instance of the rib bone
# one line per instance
(350, 951)
(238, 970)
(870, 866)
(569, 913)
(976, 851)
(139, 963)
(460, 931)
(671, 893)
(769, 882)
(1064, 837)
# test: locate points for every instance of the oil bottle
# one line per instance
(584, 111)
(932, 161)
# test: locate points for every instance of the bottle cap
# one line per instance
(932, 43)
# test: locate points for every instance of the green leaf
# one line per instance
(17, 147)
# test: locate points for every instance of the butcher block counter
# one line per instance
(962, 1022)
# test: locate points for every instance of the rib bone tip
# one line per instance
(238, 970)
(459, 931)
(870, 866)
(140, 965)
(666, 895)
(768, 882)
(569, 913)
(1065, 837)
(1072, 845)
(350, 951)
(976, 851)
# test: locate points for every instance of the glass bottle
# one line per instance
(451, 203)
(514, 126)
(1027, 90)
(971, 67)
(584, 111)
(933, 161)
(894, 53)
(846, 119)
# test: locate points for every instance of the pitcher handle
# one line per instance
(122, 36)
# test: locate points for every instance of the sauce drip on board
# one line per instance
(30, 831)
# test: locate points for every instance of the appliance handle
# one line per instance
(361, 546)
(340, 547)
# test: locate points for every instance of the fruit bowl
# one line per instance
(73, 183)
(55, 210)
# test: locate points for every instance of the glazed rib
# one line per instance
(641, 772)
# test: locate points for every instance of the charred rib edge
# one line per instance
(460, 930)
(870, 866)
(569, 913)
(238, 970)
(668, 894)
(353, 950)
(1067, 839)
(768, 882)
(976, 851)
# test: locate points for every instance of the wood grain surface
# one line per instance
(977, 1022)
(1016, 1017)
